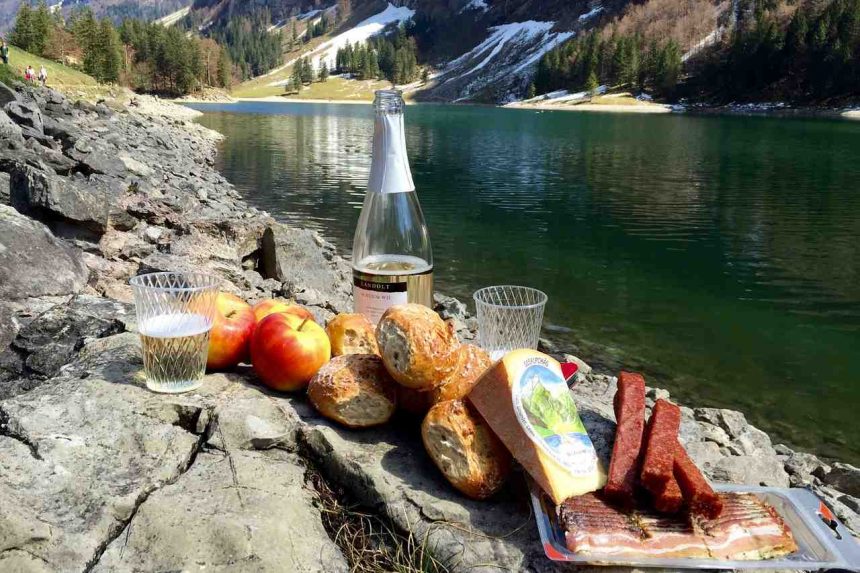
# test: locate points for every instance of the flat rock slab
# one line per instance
(239, 511)
(101, 474)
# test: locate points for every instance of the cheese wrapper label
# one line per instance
(546, 411)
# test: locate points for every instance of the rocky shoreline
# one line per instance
(98, 474)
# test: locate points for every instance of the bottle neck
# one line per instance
(389, 169)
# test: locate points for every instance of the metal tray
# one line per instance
(823, 541)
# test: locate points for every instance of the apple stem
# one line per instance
(302, 325)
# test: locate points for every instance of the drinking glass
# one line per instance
(175, 311)
(509, 317)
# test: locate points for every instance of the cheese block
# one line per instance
(525, 400)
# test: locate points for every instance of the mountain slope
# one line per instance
(113, 9)
(491, 50)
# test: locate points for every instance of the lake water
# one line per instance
(720, 255)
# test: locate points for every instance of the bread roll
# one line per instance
(355, 390)
(413, 401)
(472, 362)
(351, 334)
(418, 348)
(465, 449)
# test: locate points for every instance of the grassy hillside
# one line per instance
(59, 76)
(335, 88)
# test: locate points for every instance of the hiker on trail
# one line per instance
(4, 53)
(43, 75)
(30, 74)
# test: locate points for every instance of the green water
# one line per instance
(720, 255)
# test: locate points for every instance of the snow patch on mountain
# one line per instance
(475, 5)
(175, 17)
(327, 51)
(591, 13)
(705, 42)
(508, 53)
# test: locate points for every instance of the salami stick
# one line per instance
(660, 444)
(630, 418)
(670, 499)
(698, 493)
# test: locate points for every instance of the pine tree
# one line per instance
(307, 71)
(225, 69)
(294, 35)
(111, 56)
(42, 26)
(23, 33)
(591, 84)
(531, 92)
(296, 76)
(323, 74)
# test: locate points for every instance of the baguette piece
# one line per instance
(524, 395)
(351, 334)
(418, 348)
(465, 449)
(355, 390)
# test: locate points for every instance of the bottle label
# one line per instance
(373, 298)
(545, 409)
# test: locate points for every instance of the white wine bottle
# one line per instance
(392, 262)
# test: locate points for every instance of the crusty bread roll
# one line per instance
(472, 362)
(351, 334)
(355, 390)
(418, 348)
(413, 401)
(465, 449)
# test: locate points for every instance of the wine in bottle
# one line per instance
(391, 258)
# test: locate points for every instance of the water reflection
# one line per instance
(721, 255)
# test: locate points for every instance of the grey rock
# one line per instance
(734, 423)
(5, 195)
(802, 467)
(51, 339)
(293, 257)
(449, 307)
(48, 196)
(243, 511)
(33, 262)
(8, 326)
(63, 131)
(751, 470)
(7, 95)
(25, 114)
(134, 166)
(154, 233)
(94, 157)
(9, 130)
(844, 477)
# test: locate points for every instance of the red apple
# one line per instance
(287, 351)
(230, 339)
(270, 306)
